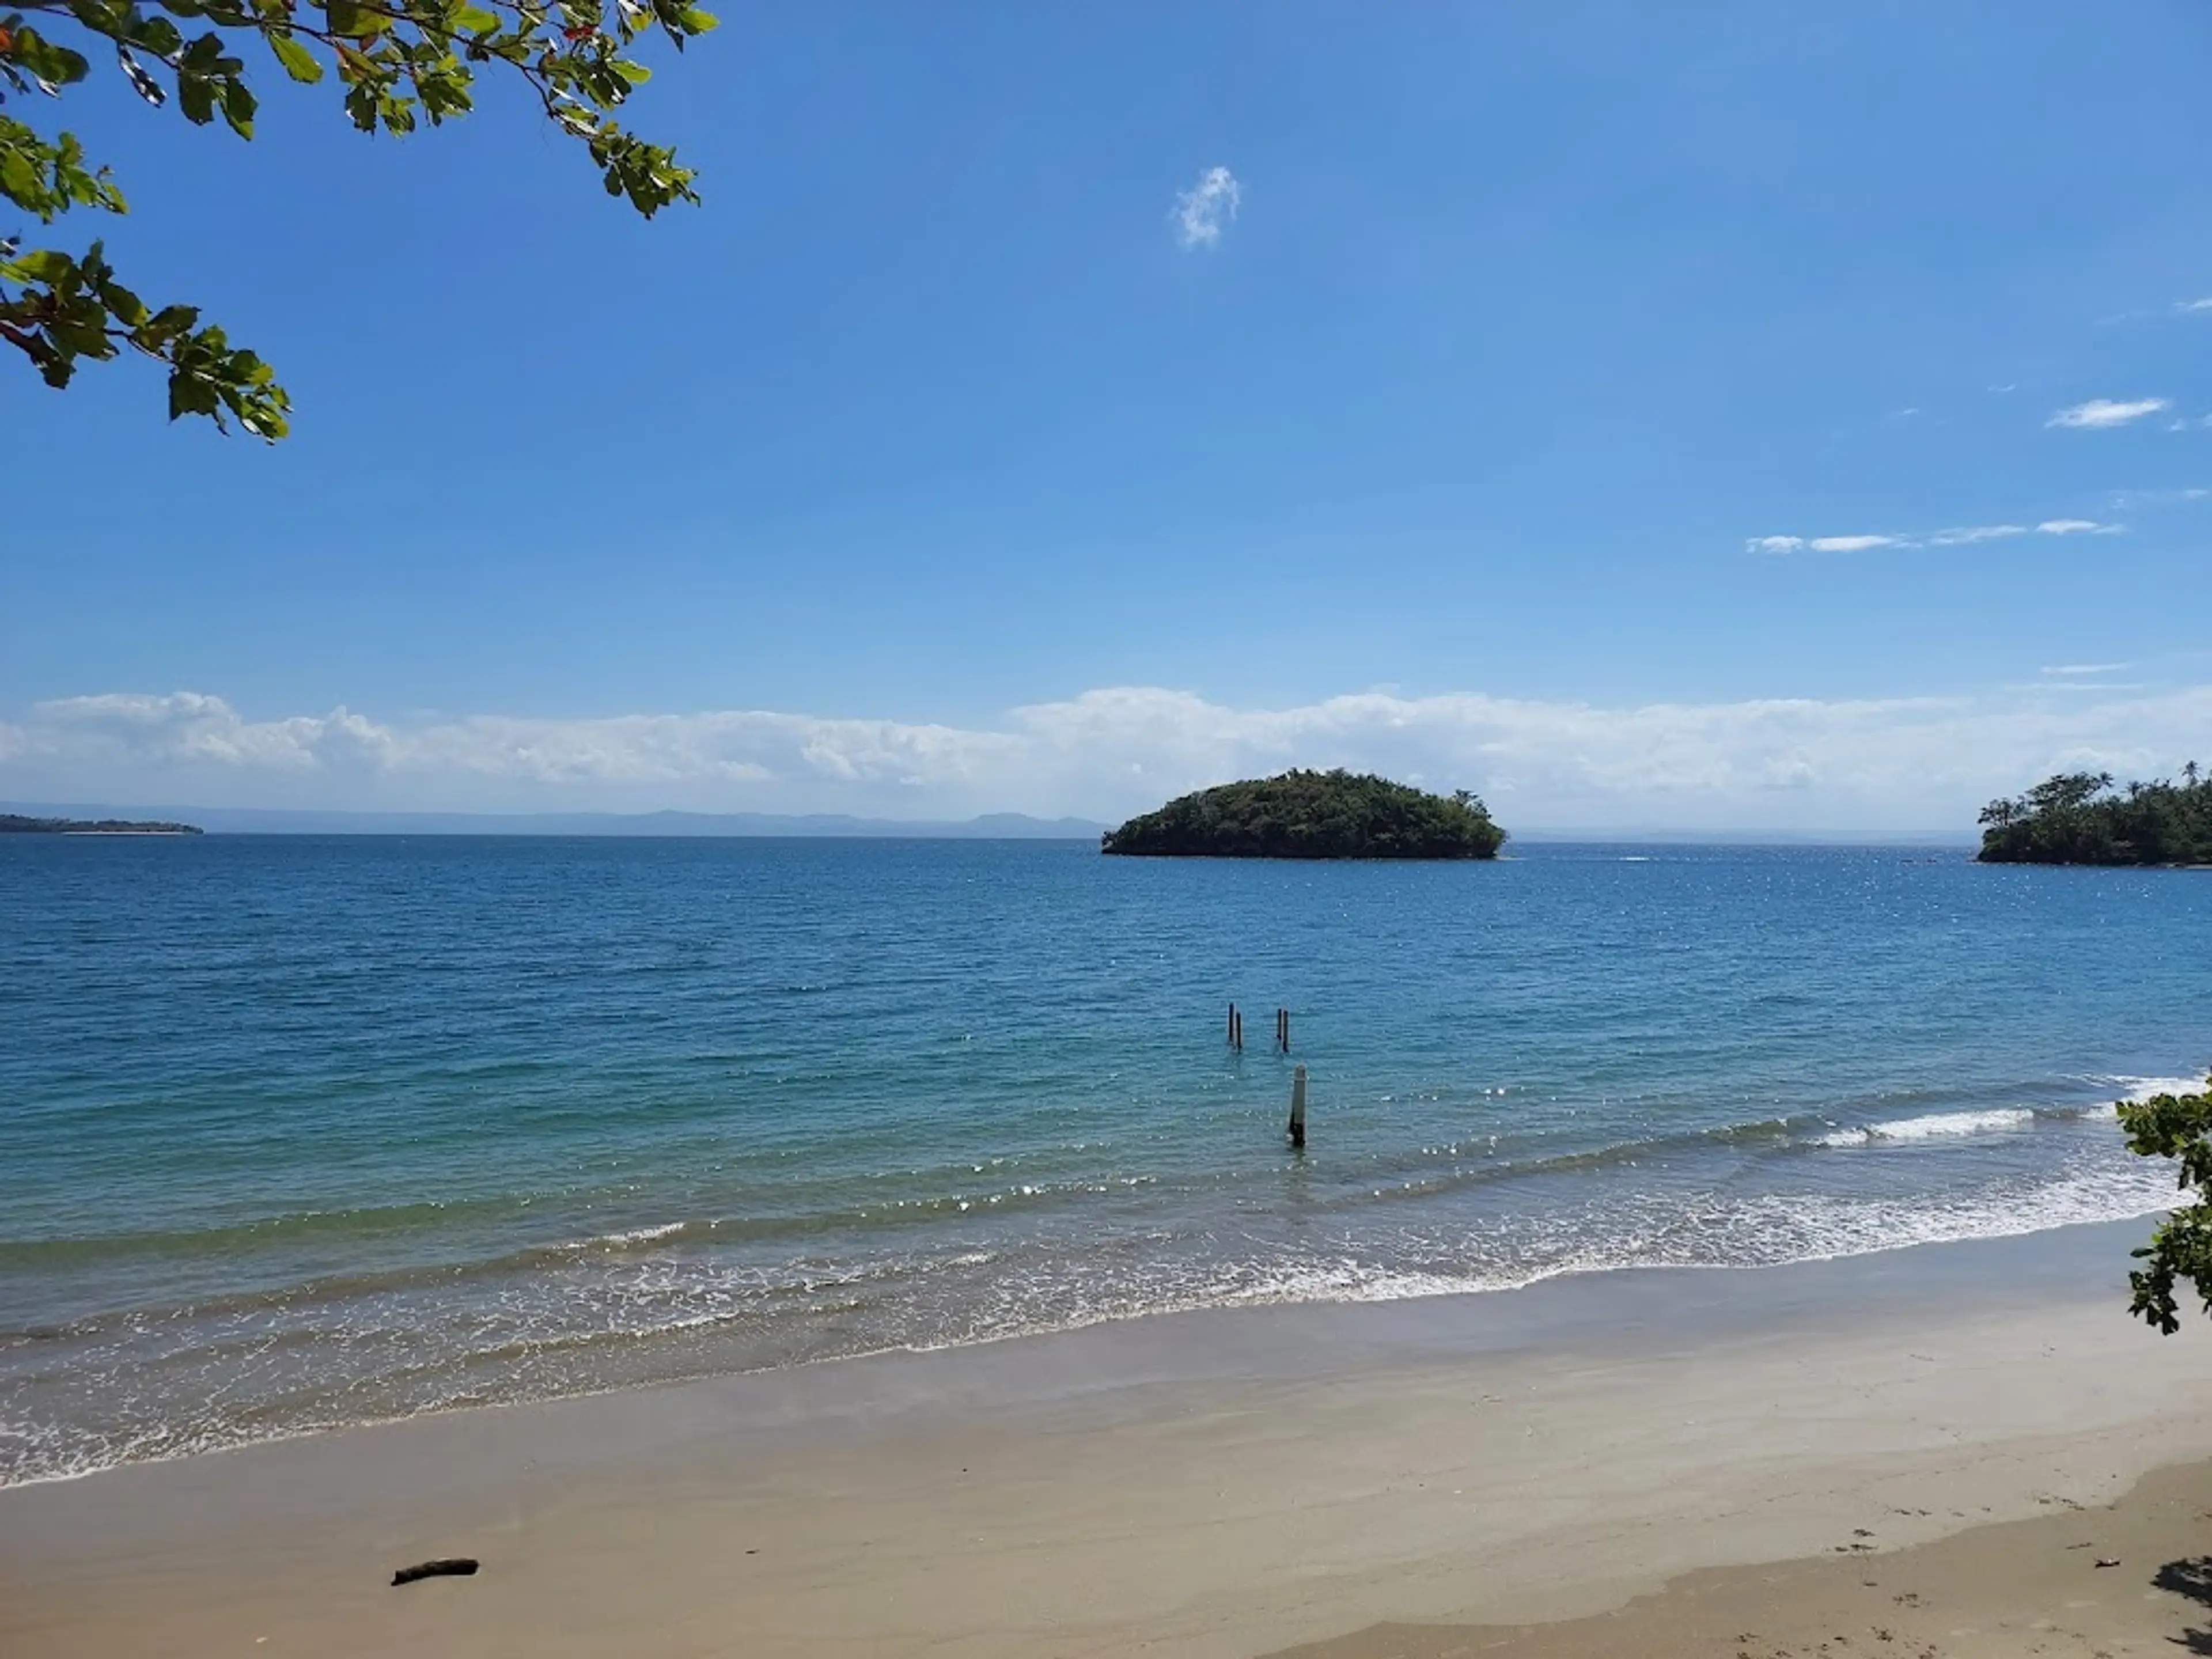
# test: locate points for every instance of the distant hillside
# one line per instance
(16, 823)
(2079, 817)
(1312, 815)
(258, 821)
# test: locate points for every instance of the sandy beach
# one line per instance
(1924, 1439)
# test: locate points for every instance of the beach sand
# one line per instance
(1921, 1438)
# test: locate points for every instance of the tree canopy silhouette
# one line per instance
(2081, 818)
(1312, 815)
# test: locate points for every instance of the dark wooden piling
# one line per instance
(1299, 1106)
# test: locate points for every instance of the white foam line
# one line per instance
(1936, 1126)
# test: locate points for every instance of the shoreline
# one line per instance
(1456, 1310)
(1224, 1482)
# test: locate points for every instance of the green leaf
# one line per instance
(299, 63)
(469, 18)
(238, 108)
(44, 264)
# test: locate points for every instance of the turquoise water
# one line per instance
(299, 1132)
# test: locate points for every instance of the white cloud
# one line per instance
(2128, 501)
(2104, 413)
(1958, 536)
(1200, 210)
(2084, 668)
(1967, 535)
(2193, 305)
(1848, 764)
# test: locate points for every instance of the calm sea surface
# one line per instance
(300, 1132)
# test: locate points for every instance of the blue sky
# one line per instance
(930, 468)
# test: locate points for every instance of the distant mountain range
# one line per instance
(262, 821)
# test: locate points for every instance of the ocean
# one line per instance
(302, 1132)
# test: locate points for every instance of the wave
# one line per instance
(1935, 1125)
(2140, 1089)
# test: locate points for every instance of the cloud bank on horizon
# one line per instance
(1849, 766)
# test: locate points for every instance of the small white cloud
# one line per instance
(1821, 544)
(1967, 535)
(2080, 668)
(2129, 500)
(1200, 210)
(2105, 411)
(1900, 414)
(2009, 385)
(2193, 305)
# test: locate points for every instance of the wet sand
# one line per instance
(1237, 1484)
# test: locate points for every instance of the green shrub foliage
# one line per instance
(2179, 1127)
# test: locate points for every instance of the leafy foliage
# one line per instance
(2079, 817)
(2179, 1127)
(397, 62)
(1314, 815)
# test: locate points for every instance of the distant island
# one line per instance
(14, 824)
(1312, 815)
(2079, 818)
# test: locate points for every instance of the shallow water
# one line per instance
(296, 1132)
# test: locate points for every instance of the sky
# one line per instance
(1730, 416)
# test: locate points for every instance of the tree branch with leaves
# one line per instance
(398, 62)
(2179, 1127)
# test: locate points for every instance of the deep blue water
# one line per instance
(297, 1130)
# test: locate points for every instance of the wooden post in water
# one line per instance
(1299, 1106)
(1236, 1029)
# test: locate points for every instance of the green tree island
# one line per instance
(2079, 817)
(1312, 815)
(397, 61)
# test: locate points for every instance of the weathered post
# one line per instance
(1299, 1106)
(1232, 1025)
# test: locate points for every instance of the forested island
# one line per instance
(1312, 815)
(2081, 818)
(16, 823)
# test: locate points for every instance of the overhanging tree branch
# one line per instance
(397, 62)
